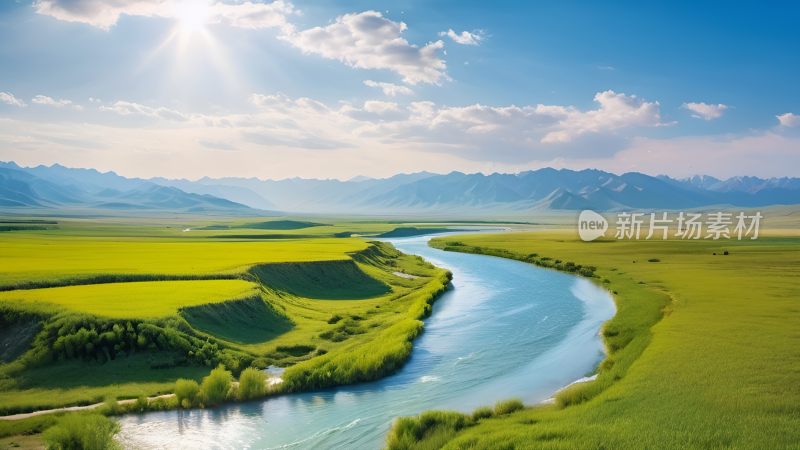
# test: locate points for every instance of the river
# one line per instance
(506, 329)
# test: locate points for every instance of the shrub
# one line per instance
(216, 385)
(508, 406)
(82, 432)
(334, 318)
(252, 384)
(653, 260)
(186, 392)
(484, 412)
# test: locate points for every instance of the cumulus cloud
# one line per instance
(380, 107)
(705, 111)
(465, 37)
(50, 101)
(389, 89)
(125, 108)
(789, 120)
(278, 134)
(367, 40)
(479, 132)
(9, 99)
(616, 111)
(105, 13)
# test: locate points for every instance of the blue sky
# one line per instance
(183, 88)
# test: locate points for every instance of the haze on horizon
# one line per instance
(278, 89)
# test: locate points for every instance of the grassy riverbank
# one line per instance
(107, 310)
(719, 370)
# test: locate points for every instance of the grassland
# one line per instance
(109, 308)
(720, 369)
(28, 258)
(144, 299)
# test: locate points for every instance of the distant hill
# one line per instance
(543, 189)
(58, 187)
(418, 193)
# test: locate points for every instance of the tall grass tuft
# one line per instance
(82, 432)
(252, 384)
(433, 427)
(508, 406)
(216, 385)
(187, 392)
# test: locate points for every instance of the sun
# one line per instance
(192, 15)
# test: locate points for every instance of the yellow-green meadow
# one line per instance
(704, 350)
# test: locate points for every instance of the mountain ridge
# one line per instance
(421, 192)
(59, 187)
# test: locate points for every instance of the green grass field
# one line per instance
(30, 257)
(144, 299)
(114, 308)
(720, 369)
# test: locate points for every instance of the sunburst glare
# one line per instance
(192, 15)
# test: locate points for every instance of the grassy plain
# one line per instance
(122, 308)
(144, 299)
(721, 369)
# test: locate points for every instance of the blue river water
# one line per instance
(506, 329)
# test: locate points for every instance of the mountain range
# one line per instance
(87, 189)
(543, 189)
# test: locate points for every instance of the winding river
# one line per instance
(506, 329)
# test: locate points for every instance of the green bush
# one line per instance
(216, 385)
(252, 384)
(508, 406)
(82, 432)
(186, 392)
(334, 318)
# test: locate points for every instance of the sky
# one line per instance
(320, 89)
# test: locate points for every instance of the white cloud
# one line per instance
(789, 120)
(9, 99)
(380, 107)
(367, 40)
(479, 132)
(50, 101)
(105, 13)
(278, 135)
(705, 111)
(364, 40)
(125, 108)
(101, 13)
(465, 37)
(504, 134)
(389, 89)
(617, 111)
